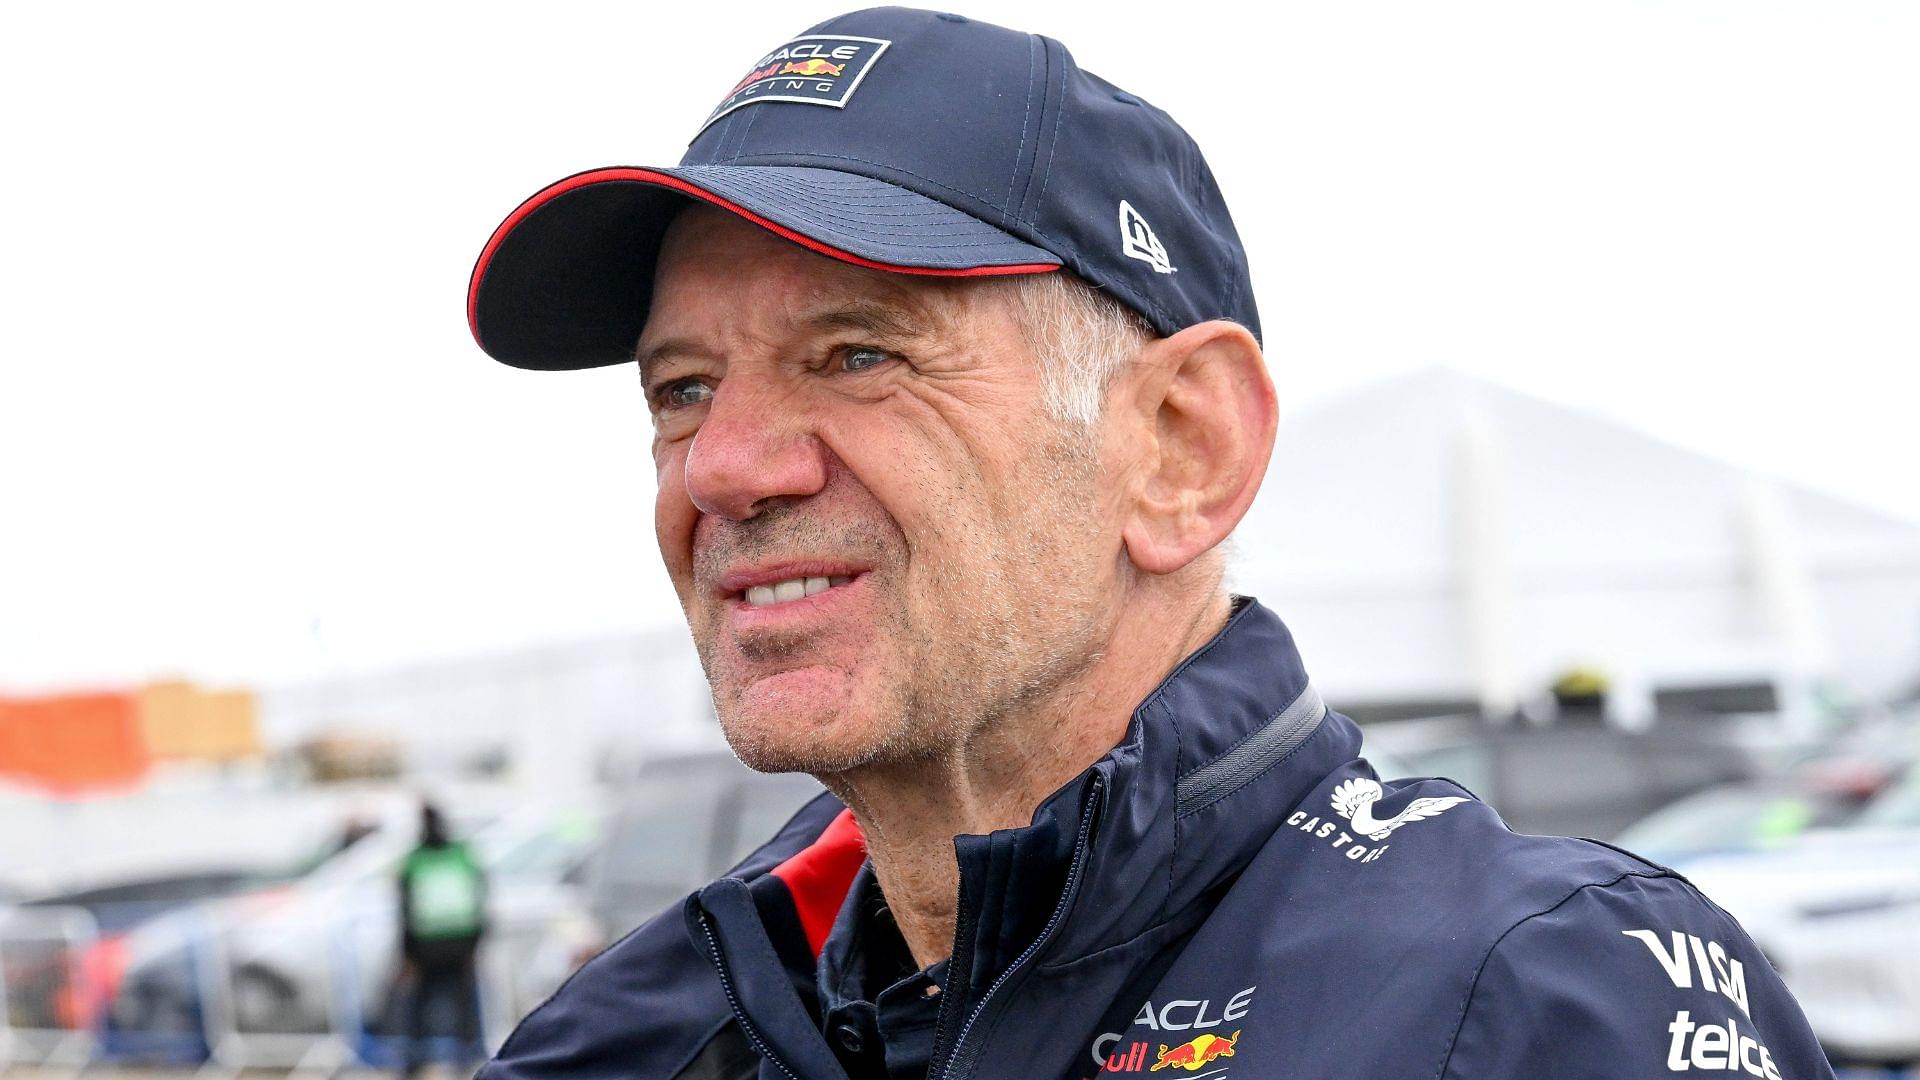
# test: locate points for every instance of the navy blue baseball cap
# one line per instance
(901, 140)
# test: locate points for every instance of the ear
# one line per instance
(1205, 404)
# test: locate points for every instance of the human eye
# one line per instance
(857, 358)
(682, 393)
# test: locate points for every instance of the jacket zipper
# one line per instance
(960, 1062)
(733, 1000)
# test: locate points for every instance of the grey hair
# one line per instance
(1082, 337)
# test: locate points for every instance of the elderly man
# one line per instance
(954, 373)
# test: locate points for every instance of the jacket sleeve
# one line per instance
(1641, 976)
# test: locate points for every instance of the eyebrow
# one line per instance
(664, 350)
(874, 317)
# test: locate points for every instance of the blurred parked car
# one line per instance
(1838, 912)
(1571, 778)
(319, 954)
(677, 824)
(1770, 812)
(77, 933)
(120, 905)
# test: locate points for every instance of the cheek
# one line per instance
(918, 461)
(674, 514)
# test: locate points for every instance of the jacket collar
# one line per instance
(1212, 762)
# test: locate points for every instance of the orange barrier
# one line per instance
(182, 721)
(74, 742)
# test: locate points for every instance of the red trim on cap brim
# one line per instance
(660, 179)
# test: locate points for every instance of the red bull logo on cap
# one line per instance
(1192, 1055)
(812, 67)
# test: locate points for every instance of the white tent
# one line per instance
(1437, 538)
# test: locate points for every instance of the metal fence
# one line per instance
(47, 987)
(69, 1001)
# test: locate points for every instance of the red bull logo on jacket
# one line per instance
(1192, 1055)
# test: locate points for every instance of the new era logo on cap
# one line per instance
(1138, 242)
(813, 69)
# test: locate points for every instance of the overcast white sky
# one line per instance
(245, 436)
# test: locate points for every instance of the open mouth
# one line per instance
(795, 588)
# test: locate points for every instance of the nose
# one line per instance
(754, 444)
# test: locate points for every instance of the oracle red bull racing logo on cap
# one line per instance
(814, 69)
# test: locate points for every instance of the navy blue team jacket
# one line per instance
(1230, 892)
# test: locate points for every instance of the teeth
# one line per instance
(793, 589)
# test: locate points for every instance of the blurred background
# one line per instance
(1595, 490)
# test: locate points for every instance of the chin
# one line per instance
(782, 746)
(803, 721)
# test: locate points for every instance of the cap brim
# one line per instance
(565, 281)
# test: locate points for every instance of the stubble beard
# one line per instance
(1023, 627)
(788, 741)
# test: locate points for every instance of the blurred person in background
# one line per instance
(957, 389)
(443, 916)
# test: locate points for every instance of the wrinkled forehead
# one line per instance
(715, 268)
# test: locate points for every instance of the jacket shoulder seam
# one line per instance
(1473, 985)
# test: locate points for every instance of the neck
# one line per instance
(911, 811)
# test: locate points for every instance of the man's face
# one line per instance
(881, 539)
